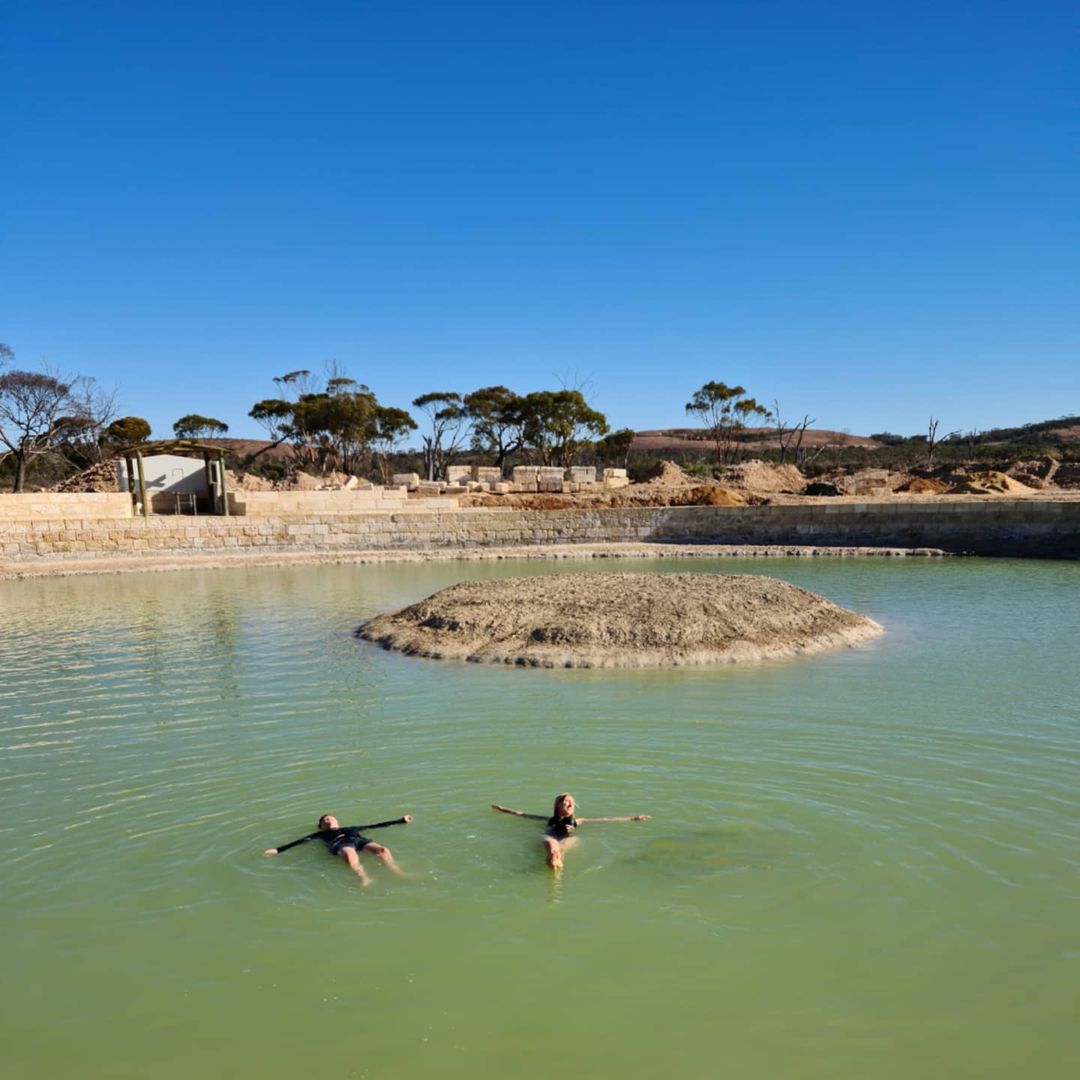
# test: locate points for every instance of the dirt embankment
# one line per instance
(747, 483)
(619, 620)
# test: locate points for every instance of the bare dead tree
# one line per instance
(932, 441)
(93, 409)
(790, 438)
(34, 408)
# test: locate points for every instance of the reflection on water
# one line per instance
(861, 864)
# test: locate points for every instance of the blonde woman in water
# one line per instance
(561, 828)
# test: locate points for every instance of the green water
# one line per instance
(859, 865)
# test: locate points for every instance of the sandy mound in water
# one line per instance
(619, 620)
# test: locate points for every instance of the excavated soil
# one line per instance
(619, 620)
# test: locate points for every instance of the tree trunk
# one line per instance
(20, 470)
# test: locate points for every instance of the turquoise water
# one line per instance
(861, 864)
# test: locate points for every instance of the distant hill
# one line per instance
(1065, 429)
(694, 440)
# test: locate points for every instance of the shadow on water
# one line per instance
(705, 854)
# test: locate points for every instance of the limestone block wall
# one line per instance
(60, 506)
(270, 503)
(1016, 528)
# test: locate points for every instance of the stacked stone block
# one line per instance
(1002, 527)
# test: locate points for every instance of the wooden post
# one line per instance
(132, 493)
(224, 492)
(142, 484)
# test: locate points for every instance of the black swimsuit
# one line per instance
(561, 828)
(346, 836)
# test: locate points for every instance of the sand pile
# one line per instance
(670, 475)
(619, 620)
(990, 483)
(925, 485)
(975, 483)
(247, 482)
(763, 477)
(673, 486)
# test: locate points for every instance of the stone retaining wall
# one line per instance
(62, 506)
(308, 503)
(1021, 528)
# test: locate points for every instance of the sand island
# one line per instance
(619, 620)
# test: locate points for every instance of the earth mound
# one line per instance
(924, 485)
(619, 620)
(763, 476)
(989, 483)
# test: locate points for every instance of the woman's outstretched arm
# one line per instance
(517, 813)
(406, 820)
(635, 817)
(292, 843)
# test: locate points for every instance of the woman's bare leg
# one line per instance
(350, 856)
(380, 851)
(553, 853)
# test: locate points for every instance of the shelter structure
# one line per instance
(138, 455)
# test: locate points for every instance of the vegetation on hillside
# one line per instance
(52, 426)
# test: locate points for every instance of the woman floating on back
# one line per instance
(561, 827)
(347, 842)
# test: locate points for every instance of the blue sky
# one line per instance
(867, 211)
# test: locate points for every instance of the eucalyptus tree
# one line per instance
(195, 426)
(724, 411)
(392, 425)
(614, 448)
(498, 422)
(127, 430)
(338, 423)
(447, 427)
(559, 423)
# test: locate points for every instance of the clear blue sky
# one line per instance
(866, 210)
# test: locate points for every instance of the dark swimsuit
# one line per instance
(346, 836)
(561, 828)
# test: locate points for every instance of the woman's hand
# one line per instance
(270, 851)
(641, 817)
(408, 819)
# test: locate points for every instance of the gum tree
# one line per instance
(392, 425)
(558, 423)
(194, 426)
(448, 425)
(724, 411)
(498, 422)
